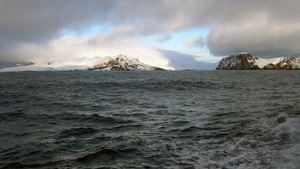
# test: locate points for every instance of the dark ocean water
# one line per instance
(160, 119)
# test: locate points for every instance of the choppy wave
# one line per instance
(178, 119)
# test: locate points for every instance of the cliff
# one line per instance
(245, 61)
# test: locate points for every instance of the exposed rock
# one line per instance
(29, 64)
(245, 61)
(287, 63)
(123, 62)
(24, 64)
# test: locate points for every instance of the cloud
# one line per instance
(79, 51)
(259, 26)
(163, 38)
(260, 37)
(198, 42)
(71, 50)
(180, 61)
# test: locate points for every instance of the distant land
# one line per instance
(245, 61)
(117, 63)
(120, 62)
(123, 62)
(241, 61)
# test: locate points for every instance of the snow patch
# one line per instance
(261, 63)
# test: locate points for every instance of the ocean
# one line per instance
(150, 119)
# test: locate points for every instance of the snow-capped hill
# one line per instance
(120, 62)
(242, 61)
(245, 61)
(123, 62)
(282, 63)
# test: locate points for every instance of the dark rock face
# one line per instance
(29, 64)
(288, 63)
(243, 61)
(123, 63)
(246, 61)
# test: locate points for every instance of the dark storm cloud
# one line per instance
(259, 26)
(34, 20)
(260, 38)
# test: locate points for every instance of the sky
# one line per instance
(159, 32)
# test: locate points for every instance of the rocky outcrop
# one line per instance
(123, 62)
(245, 61)
(288, 63)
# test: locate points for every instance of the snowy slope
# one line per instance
(245, 61)
(281, 62)
(120, 62)
(241, 61)
(123, 62)
(264, 62)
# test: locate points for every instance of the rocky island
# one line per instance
(245, 61)
(123, 62)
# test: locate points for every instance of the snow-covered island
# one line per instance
(123, 62)
(117, 63)
(245, 61)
